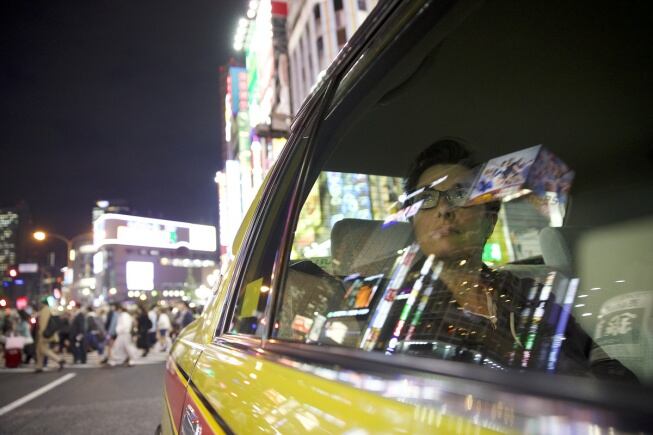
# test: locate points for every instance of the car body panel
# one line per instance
(253, 394)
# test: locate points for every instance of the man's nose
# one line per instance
(444, 210)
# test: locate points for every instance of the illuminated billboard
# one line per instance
(140, 275)
(117, 229)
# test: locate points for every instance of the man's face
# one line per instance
(446, 231)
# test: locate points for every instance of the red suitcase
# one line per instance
(13, 358)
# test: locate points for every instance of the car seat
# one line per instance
(367, 247)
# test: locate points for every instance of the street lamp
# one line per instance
(42, 235)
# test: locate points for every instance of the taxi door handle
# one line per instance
(190, 423)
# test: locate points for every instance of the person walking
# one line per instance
(24, 329)
(110, 327)
(151, 333)
(42, 341)
(77, 335)
(96, 334)
(123, 350)
(163, 330)
(143, 326)
(187, 316)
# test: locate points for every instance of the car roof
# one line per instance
(567, 75)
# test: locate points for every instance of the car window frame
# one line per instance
(310, 117)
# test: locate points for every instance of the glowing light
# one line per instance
(595, 288)
(140, 275)
(583, 296)
(13, 273)
(586, 314)
(39, 235)
(113, 291)
(3, 303)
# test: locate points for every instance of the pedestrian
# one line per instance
(47, 334)
(96, 334)
(163, 329)
(123, 350)
(64, 333)
(110, 326)
(187, 316)
(143, 326)
(151, 334)
(24, 329)
(77, 334)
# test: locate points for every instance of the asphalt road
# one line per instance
(119, 400)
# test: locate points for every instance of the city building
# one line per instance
(14, 231)
(104, 206)
(20, 273)
(286, 45)
(80, 278)
(139, 258)
(317, 31)
(256, 101)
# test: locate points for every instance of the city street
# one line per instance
(99, 400)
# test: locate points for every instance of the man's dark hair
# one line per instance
(442, 152)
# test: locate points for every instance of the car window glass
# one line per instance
(252, 290)
(491, 208)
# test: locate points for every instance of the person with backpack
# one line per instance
(48, 326)
(96, 334)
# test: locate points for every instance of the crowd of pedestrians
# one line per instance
(119, 333)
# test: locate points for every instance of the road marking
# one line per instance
(34, 394)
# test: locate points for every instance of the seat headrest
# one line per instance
(558, 245)
(368, 247)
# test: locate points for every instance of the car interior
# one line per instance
(506, 78)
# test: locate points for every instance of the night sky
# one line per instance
(112, 99)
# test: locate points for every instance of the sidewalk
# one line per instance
(92, 362)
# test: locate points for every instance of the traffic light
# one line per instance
(3, 302)
(12, 272)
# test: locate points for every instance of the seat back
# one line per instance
(368, 247)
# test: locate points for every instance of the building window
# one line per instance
(320, 51)
(342, 36)
(337, 5)
(316, 12)
(362, 5)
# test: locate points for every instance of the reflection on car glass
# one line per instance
(469, 285)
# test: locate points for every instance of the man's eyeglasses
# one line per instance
(430, 197)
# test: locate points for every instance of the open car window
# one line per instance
(489, 204)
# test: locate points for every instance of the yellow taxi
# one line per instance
(457, 237)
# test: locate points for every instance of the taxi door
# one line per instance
(178, 370)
